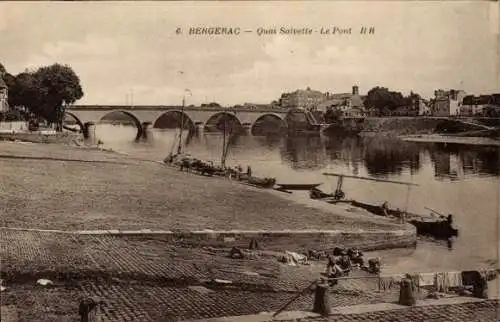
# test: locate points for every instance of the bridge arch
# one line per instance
(275, 122)
(75, 118)
(174, 119)
(134, 119)
(219, 120)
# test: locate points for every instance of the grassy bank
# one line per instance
(61, 187)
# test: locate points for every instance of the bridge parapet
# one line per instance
(175, 107)
(195, 116)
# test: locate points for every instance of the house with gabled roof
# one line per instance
(350, 104)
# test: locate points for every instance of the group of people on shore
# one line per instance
(342, 261)
(188, 163)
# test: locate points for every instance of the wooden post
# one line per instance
(407, 292)
(294, 299)
(480, 289)
(254, 244)
(89, 309)
(321, 302)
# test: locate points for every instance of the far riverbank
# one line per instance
(404, 126)
(438, 138)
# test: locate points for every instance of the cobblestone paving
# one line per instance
(149, 303)
(30, 251)
(41, 304)
(134, 257)
(486, 311)
(273, 286)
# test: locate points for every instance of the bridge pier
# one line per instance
(88, 130)
(142, 133)
(199, 127)
(246, 128)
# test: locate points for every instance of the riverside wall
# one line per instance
(395, 126)
(39, 137)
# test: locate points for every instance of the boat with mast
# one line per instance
(439, 228)
(225, 145)
(179, 147)
(171, 156)
(191, 164)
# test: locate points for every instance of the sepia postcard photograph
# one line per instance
(250, 161)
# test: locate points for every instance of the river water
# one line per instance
(463, 180)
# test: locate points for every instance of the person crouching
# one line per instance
(333, 270)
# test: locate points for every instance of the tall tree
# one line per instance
(58, 86)
(45, 92)
(381, 98)
(24, 91)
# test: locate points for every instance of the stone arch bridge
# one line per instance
(194, 117)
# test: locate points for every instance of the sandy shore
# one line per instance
(61, 187)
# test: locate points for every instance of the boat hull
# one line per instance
(439, 229)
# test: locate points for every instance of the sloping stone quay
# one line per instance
(296, 240)
(58, 187)
(274, 240)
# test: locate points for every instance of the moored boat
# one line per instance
(439, 228)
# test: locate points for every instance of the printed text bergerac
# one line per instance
(237, 31)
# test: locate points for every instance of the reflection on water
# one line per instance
(452, 178)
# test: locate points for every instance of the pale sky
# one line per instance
(118, 47)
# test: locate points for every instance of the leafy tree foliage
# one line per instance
(24, 91)
(212, 104)
(45, 92)
(382, 98)
(58, 86)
